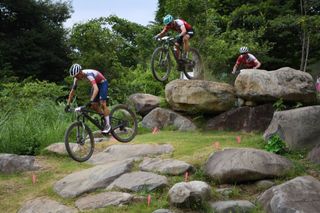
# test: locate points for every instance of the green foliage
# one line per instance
(28, 93)
(32, 38)
(275, 145)
(279, 105)
(30, 129)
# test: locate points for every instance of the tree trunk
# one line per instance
(307, 54)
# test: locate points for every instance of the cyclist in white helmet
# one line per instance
(246, 59)
(99, 91)
(184, 29)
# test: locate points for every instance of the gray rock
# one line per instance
(60, 148)
(127, 151)
(264, 184)
(285, 83)
(45, 205)
(298, 128)
(161, 118)
(246, 164)
(138, 181)
(189, 194)
(91, 179)
(314, 155)
(244, 118)
(144, 103)
(300, 194)
(102, 200)
(165, 166)
(232, 206)
(10, 163)
(200, 96)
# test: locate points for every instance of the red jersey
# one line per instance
(177, 25)
(248, 60)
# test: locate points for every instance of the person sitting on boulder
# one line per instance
(247, 59)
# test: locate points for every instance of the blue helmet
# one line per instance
(167, 19)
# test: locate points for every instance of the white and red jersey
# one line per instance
(94, 76)
(177, 25)
(248, 60)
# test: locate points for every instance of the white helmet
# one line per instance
(74, 69)
(243, 50)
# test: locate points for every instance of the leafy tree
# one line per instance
(32, 38)
(274, 30)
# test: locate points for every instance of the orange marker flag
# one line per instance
(238, 139)
(186, 177)
(155, 130)
(149, 199)
(34, 178)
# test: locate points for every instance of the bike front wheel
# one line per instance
(124, 123)
(193, 65)
(79, 141)
(160, 64)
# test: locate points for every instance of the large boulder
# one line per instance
(45, 205)
(144, 103)
(245, 164)
(286, 83)
(314, 155)
(91, 179)
(119, 152)
(189, 194)
(165, 117)
(300, 194)
(200, 96)
(10, 163)
(298, 128)
(139, 181)
(243, 118)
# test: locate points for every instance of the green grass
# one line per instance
(192, 147)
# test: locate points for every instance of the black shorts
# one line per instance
(189, 32)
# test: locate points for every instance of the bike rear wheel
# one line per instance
(79, 141)
(193, 65)
(160, 64)
(124, 123)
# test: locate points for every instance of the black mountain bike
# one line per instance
(161, 63)
(79, 139)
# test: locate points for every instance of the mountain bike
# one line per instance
(79, 139)
(190, 65)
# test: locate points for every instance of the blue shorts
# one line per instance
(103, 92)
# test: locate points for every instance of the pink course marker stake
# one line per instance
(149, 200)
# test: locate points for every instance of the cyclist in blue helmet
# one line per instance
(184, 29)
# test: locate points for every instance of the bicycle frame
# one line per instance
(84, 114)
(169, 43)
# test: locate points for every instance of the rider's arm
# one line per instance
(163, 32)
(71, 94)
(183, 30)
(258, 64)
(95, 91)
(235, 67)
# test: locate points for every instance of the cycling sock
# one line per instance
(106, 118)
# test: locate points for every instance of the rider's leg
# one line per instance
(177, 50)
(186, 45)
(103, 91)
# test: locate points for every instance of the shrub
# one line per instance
(275, 145)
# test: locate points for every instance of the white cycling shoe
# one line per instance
(106, 129)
